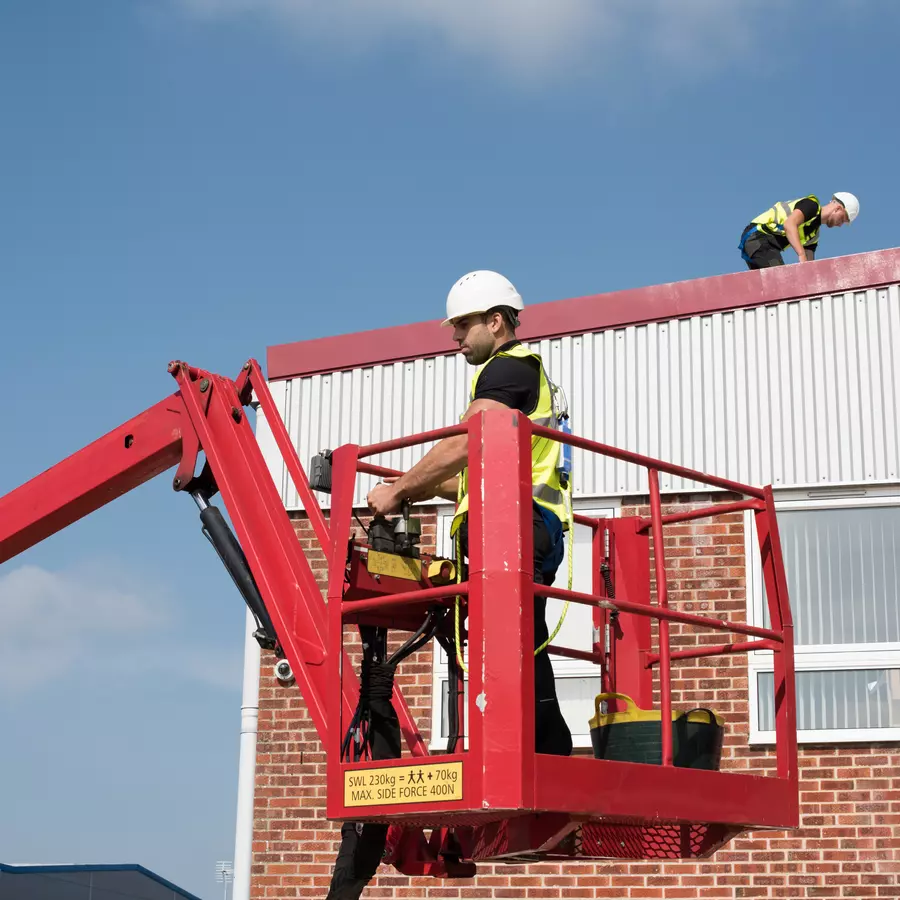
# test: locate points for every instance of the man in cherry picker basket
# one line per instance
(482, 310)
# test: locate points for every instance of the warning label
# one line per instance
(395, 566)
(424, 783)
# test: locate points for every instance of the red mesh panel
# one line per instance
(646, 841)
(593, 840)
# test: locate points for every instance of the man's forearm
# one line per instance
(792, 233)
(433, 474)
(446, 490)
(449, 489)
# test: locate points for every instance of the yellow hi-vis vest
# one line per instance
(546, 489)
(773, 219)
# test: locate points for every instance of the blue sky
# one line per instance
(199, 179)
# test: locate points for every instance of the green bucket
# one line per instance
(636, 735)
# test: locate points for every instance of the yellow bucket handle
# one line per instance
(613, 696)
(714, 718)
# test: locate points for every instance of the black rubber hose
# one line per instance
(226, 544)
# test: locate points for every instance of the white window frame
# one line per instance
(562, 667)
(818, 658)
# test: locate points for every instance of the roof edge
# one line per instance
(596, 312)
(36, 869)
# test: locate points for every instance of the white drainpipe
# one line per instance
(243, 838)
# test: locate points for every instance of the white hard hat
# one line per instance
(478, 292)
(849, 202)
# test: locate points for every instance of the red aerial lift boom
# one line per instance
(494, 798)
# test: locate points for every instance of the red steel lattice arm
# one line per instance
(109, 467)
(207, 414)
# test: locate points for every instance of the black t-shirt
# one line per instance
(810, 210)
(514, 382)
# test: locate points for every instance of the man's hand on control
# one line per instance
(383, 499)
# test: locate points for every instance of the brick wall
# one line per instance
(848, 844)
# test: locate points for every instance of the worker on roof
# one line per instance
(482, 310)
(793, 223)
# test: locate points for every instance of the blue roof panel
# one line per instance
(85, 882)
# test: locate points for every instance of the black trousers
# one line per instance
(759, 251)
(362, 845)
(765, 257)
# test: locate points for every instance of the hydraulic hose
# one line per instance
(220, 535)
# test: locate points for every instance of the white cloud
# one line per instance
(217, 667)
(533, 37)
(97, 618)
(52, 620)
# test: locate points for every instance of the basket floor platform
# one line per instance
(597, 809)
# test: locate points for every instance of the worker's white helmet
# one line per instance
(478, 292)
(849, 202)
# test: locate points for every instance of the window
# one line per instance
(577, 683)
(842, 562)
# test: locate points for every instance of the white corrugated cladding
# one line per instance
(798, 393)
